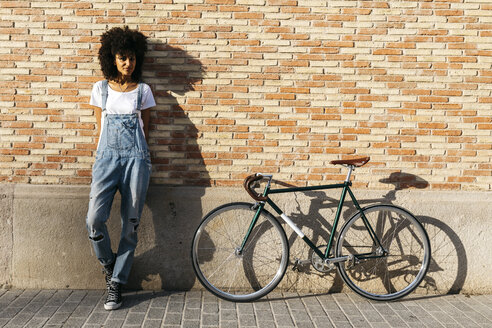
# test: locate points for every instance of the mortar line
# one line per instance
(307, 310)
(271, 309)
(289, 309)
(93, 309)
(165, 311)
(326, 311)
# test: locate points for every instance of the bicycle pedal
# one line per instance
(296, 264)
(299, 263)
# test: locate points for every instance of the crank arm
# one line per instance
(340, 259)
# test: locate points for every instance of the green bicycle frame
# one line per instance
(345, 189)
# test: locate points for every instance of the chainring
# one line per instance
(319, 264)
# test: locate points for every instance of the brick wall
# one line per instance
(243, 86)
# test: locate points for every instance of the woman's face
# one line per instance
(125, 63)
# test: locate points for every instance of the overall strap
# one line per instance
(104, 94)
(139, 96)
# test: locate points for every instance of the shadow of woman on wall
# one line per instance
(179, 175)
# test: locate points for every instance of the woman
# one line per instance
(123, 162)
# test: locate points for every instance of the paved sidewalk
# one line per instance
(84, 308)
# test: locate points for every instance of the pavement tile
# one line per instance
(9, 296)
(9, 312)
(210, 307)
(337, 316)
(46, 311)
(228, 315)
(74, 322)
(68, 307)
(135, 319)
(228, 324)
(152, 324)
(174, 307)
(59, 318)
(82, 311)
(265, 324)
(247, 320)
(191, 314)
(112, 324)
(227, 305)
(210, 319)
(20, 319)
(173, 318)
(284, 320)
(98, 318)
(43, 296)
(322, 322)
(155, 313)
(245, 308)
(395, 321)
(313, 307)
(76, 296)
(159, 301)
(264, 315)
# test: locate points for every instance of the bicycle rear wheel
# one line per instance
(233, 275)
(389, 272)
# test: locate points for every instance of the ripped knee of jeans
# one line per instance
(95, 236)
(134, 222)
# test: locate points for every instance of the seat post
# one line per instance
(351, 168)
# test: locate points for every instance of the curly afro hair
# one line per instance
(122, 41)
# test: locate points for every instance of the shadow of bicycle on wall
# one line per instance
(448, 265)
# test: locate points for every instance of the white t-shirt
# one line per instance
(122, 102)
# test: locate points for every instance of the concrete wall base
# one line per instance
(44, 244)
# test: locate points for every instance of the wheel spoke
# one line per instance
(210, 276)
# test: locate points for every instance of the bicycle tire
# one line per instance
(239, 277)
(388, 277)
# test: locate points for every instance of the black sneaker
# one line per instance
(108, 273)
(113, 300)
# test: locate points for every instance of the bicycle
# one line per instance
(240, 251)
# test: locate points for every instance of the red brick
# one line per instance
(13, 152)
(61, 159)
(281, 123)
(16, 124)
(445, 186)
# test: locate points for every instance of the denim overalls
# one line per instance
(122, 163)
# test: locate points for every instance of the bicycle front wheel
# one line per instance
(232, 274)
(391, 268)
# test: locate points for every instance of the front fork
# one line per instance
(258, 207)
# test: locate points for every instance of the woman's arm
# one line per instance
(97, 113)
(146, 122)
